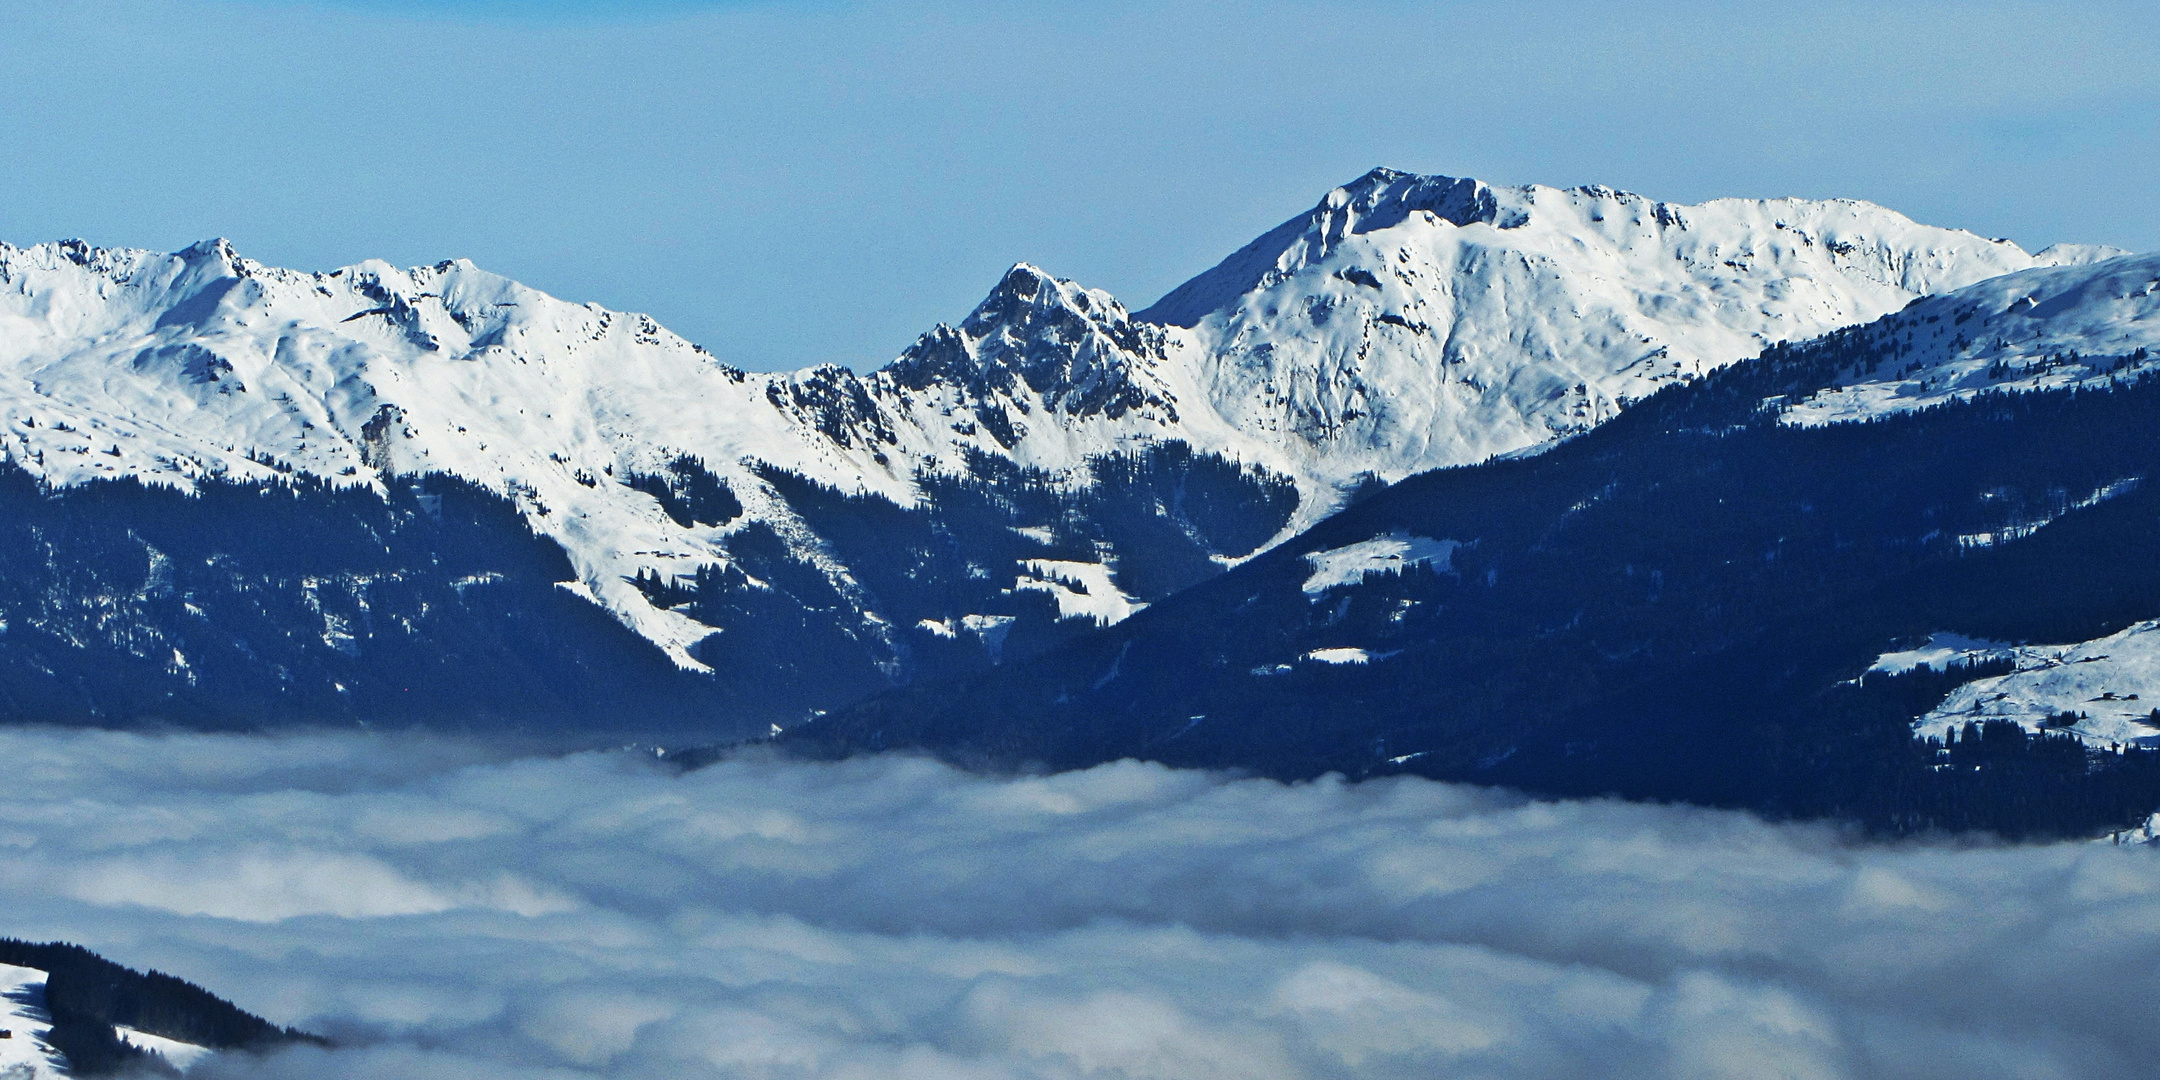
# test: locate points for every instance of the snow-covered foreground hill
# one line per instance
(24, 1054)
(26, 1023)
(1404, 323)
(448, 912)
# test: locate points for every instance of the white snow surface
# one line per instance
(1389, 554)
(2112, 682)
(181, 1055)
(2045, 329)
(1405, 323)
(1410, 322)
(1940, 651)
(1082, 589)
(1345, 655)
(24, 1055)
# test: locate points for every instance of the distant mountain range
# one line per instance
(766, 547)
(1798, 506)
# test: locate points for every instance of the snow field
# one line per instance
(2111, 684)
(182, 1056)
(1390, 554)
(23, 1054)
(2042, 329)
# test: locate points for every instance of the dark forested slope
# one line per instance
(251, 605)
(86, 995)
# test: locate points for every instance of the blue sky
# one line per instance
(795, 183)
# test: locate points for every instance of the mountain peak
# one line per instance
(1075, 347)
(1024, 279)
(215, 256)
(1380, 199)
(1384, 197)
(1027, 294)
(214, 246)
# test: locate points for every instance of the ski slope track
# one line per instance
(1405, 323)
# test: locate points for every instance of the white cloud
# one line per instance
(258, 885)
(446, 911)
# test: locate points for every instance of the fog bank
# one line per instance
(444, 911)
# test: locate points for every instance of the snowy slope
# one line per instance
(1391, 553)
(180, 1055)
(1405, 323)
(23, 1054)
(172, 368)
(2041, 329)
(1410, 322)
(2108, 689)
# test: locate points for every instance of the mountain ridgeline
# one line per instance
(1569, 489)
(795, 541)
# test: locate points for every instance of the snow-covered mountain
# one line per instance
(1411, 322)
(1404, 323)
(1713, 597)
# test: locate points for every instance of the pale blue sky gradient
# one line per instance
(794, 183)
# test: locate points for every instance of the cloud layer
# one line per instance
(448, 912)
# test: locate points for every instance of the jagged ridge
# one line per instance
(1404, 323)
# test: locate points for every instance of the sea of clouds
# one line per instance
(446, 911)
